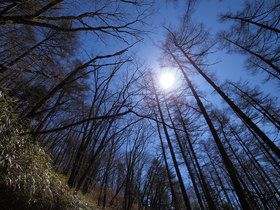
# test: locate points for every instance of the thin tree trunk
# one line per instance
(174, 198)
(228, 164)
(242, 116)
(253, 23)
(53, 91)
(8, 8)
(261, 109)
(203, 182)
(209, 199)
(250, 179)
(257, 165)
(182, 186)
(10, 64)
(219, 179)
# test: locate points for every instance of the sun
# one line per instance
(167, 80)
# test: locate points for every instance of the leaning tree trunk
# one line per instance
(235, 108)
(258, 167)
(257, 106)
(228, 164)
(250, 179)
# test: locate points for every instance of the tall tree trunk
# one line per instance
(258, 167)
(201, 175)
(235, 108)
(208, 197)
(250, 179)
(228, 164)
(182, 186)
(174, 198)
(219, 178)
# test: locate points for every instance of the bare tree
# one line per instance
(255, 32)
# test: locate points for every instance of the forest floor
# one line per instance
(11, 199)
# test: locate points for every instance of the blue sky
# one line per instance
(229, 66)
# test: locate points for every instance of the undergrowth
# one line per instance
(26, 174)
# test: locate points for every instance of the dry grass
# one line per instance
(92, 197)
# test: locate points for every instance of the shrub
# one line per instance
(26, 169)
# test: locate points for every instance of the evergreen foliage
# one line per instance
(26, 169)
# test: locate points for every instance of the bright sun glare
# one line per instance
(166, 80)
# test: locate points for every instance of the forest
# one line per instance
(87, 123)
